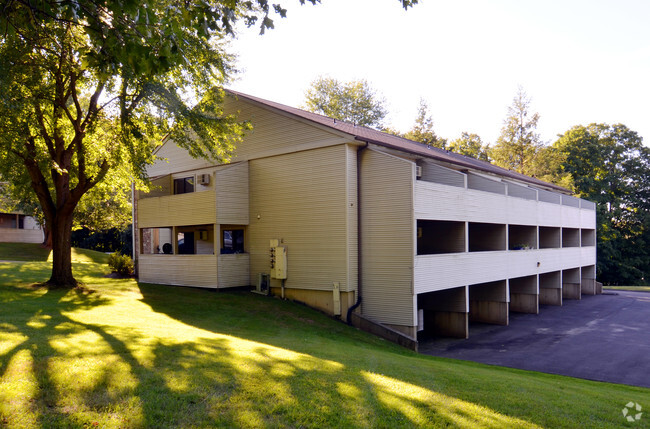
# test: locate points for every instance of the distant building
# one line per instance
(326, 212)
(15, 227)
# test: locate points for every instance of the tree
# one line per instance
(609, 165)
(518, 144)
(422, 130)
(83, 82)
(88, 86)
(353, 101)
(470, 145)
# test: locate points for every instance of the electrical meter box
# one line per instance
(278, 260)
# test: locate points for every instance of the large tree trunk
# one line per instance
(47, 237)
(61, 232)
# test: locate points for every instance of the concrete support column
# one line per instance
(524, 295)
(488, 303)
(444, 313)
(550, 288)
(571, 288)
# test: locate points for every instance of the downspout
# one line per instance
(134, 228)
(359, 277)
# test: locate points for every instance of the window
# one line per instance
(184, 185)
(232, 240)
(9, 221)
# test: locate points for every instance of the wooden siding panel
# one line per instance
(440, 202)
(521, 191)
(301, 198)
(438, 272)
(195, 208)
(173, 158)
(480, 183)
(387, 236)
(14, 235)
(437, 174)
(233, 270)
(587, 219)
(182, 270)
(232, 194)
(272, 134)
(352, 218)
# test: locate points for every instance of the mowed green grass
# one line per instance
(129, 356)
(630, 288)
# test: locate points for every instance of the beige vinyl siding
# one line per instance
(273, 134)
(183, 270)
(173, 158)
(301, 198)
(352, 218)
(232, 194)
(233, 270)
(387, 237)
(195, 208)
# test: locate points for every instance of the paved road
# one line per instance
(604, 337)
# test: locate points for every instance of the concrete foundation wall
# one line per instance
(322, 300)
(550, 288)
(571, 283)
(445, 312)
(488, 303)
(384, 331)
(524, 295)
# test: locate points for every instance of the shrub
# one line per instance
(121, 264)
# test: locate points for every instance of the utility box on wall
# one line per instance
(278, 260)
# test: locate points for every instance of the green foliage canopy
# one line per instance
(470, 145)
(90, 86)
(518, 144)
(609, 165)
(355, 101)
(422, 130)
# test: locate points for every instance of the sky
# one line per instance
(579, 61)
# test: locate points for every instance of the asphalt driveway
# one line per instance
(604, 337)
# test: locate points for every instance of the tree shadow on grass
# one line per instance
(301, 370)
(203, 359)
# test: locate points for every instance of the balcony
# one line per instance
(438, 272)
(194, 208)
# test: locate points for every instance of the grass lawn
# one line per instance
(138, 355)
(630, 288)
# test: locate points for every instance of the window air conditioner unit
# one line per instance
(204, 179)
(418, 172)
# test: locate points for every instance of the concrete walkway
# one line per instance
(603, 337)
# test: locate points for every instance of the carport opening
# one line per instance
(488, 303)
(485, 237)
(550, 288)
(443, 314)
(436, 237)
(524, 294)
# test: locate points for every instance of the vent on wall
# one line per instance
(204, 179)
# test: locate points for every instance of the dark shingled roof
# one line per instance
(379, 138)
